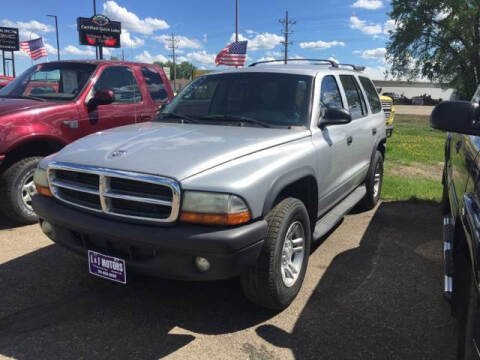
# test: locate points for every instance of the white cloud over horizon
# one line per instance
(321, 45)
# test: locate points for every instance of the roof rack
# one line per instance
(331, 62)
(354, 67)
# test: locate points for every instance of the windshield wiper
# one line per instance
(235, 118)
(183, 118)
(22, 97)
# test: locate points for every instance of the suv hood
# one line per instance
(173, 150)
(8, 105)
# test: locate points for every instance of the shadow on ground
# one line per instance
(6, 223)
(379, 301)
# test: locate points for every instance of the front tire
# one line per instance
(16, 190)
(373, 183)
(276, 279)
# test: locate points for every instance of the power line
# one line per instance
(173, 45)
(285, 23)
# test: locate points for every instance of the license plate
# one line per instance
(107, 267)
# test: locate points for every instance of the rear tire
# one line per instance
(373, 183)
(16, 190)
(276, 279)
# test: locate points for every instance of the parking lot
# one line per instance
(372, 291)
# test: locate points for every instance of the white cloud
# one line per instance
(128, 41)
(364, 27)
(320, 45)
(201, 57)
(376, 73)
(28, 30)
(131, 21)
(442, 15)
(389, 26)
(182, 42)
(73, 50)
(205, 38)
(264, 41)
(377, 54)
(368, 4)
(146, 57)
(50, 49)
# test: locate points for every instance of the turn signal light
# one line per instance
(45, 191)
(215, 219)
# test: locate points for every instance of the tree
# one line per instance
(439, 40)
(184, 69)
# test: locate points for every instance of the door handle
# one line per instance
(374, 131)
(145, 118)
(349, 140)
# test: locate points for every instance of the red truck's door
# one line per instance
(127, 101)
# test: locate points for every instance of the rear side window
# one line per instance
(122, 82)
(155, 85)
(356, 103)
(372, 95)
(331, 97)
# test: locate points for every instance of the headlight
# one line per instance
(41, 182)
(214, 209)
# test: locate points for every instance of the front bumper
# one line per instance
(153, 250)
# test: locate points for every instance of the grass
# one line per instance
(414, 161)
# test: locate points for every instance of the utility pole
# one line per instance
(56, 32)
(173, 46)
(285, 23)
(95, 13)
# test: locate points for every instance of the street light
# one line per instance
(56, 32)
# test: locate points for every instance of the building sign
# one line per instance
(9, 39)
(99, 30)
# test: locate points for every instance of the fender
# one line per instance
(471, 225)
(35, 138)
(283, 181)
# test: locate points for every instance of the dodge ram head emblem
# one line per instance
(118, 153)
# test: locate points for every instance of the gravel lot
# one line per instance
(372, 291)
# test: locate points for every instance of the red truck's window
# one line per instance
(122, 82)
(155, 85)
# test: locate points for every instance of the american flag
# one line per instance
(34, 48)
(233, 54)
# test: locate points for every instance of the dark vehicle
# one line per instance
(52, 104)
(461, 209)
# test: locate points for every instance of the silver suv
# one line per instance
(240, 173)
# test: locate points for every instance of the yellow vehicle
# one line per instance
(389, 110)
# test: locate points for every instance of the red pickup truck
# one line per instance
(4, 80)
(55, 103)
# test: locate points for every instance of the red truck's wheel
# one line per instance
(16, 190)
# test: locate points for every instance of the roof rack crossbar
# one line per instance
(331, 62)
(354, 67)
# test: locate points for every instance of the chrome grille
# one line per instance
(387, 108)
(115, 192)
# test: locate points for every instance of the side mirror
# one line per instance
(335, 116)
(456, 116)
(101, 97)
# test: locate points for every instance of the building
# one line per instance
(410, 89)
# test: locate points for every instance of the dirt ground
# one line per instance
(372, 291)
(414, 110)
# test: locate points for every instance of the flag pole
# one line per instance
(236, 20)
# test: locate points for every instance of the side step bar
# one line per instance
(330, 219)
(448, 235)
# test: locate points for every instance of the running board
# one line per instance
(330, 219)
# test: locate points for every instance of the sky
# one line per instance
(349, 31)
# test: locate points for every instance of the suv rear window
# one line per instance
(155, 85)
(356, 103)
(372, 95)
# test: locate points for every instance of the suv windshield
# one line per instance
(252, 99)
(52, 81)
